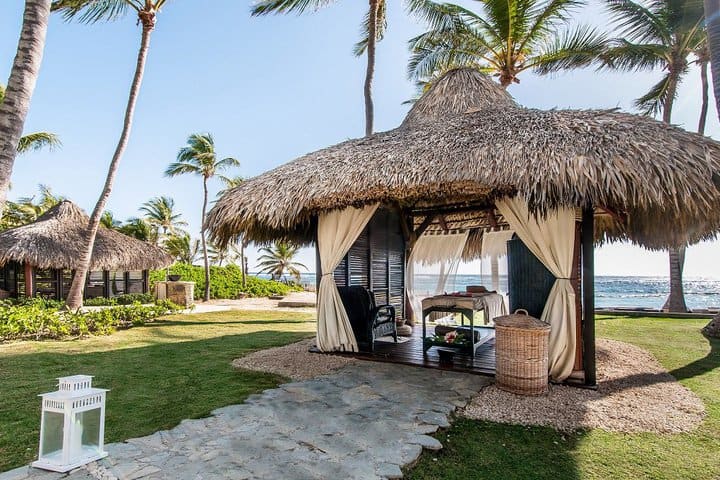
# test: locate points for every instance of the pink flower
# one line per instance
(450, 336)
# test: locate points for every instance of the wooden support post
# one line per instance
(588, 273)
(29, 280)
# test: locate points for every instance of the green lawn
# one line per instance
(479, 450)
(158, 374)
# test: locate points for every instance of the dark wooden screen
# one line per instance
(529, 282)
(377, 261)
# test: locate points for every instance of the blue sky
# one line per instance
(269, 90)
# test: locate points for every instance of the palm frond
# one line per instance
(639, 23)
(266, 7)
(653, 101)
(37, 141)
(92, 11)
(545, 20)
(627, 56)
(576, 48)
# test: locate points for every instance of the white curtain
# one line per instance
(337, 231)
(494, 246)
(442, 253)
(552, 241)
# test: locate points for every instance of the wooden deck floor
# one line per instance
(411, 353)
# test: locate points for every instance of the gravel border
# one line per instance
(293, 361)
(635, 394)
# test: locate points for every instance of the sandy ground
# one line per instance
(257, 304)
(635, 394)
(293, 361)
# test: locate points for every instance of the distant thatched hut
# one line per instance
(39, 258)
(468, 158)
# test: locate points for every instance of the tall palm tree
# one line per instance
(279, 260)
(160, 214)
(34, 141)
(108, 220)
(198, 157)
(662, 35)
(712, 23)
(27, 209)
(23, 76)
(237, 249)
(373, 30)
(92, 11)
(503, 38)
(182, 248)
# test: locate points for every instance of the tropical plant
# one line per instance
(92, 11)
(160, 214)
(23, 76)
(27, 209)
(219, 255)
(504, 38)
(182, 248)
(108, 220)
(198, 157)
(138, 228)
(279, 260)
(662, 35)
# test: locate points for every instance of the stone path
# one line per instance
(364, 422)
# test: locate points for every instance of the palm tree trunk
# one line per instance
(712, 22)
(676, 300)
(370, 71)
(75, 296)
(21, 85)
(705, 95)
(206, 295)
(243, 264)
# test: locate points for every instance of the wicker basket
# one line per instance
(521, 354)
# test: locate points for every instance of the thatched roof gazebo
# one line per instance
(467, 157)
(53, 243)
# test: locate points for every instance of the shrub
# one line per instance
(225, 282)
(126, 299)
(35, 320)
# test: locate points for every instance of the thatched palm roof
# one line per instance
(466, 140)
(55, 239)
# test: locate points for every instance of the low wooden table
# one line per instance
(466, 306)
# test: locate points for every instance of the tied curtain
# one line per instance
(552, 241)
(337, 231)
(442, 252)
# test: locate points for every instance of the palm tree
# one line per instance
(108, 220)
(373, 30)
(23, 75)
(218, 255)
(138, 228)
(663, 35)
(92, 11)
(504, 38)
(182, 248)
(712, 24)
(279, 259)
(160, 214)
(198, 157)
(34, 141)
(27, 210)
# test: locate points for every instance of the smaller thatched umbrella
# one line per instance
(56, 238)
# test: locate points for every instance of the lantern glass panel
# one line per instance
(52, 439)
(90, 433)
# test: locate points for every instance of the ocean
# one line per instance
(610, 291)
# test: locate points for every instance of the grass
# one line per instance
(480, 450)
(158, 374)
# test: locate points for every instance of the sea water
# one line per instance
(610, 291)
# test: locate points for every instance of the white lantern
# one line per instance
(72, 429)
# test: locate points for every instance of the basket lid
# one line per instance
(521, 320)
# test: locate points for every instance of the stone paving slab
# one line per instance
(364, 422)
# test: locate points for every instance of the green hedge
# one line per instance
(36, 320)
(126, 299)
(225, 282)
